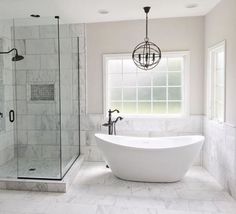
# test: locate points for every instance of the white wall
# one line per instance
(219, 153)
(121, 37)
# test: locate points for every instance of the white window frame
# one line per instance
(185, 88)
(211, 82)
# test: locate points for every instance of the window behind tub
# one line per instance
(161, 91)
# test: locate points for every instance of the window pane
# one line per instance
(129, 93)
(144, 79)
(159, 79)
(128, 66)
(144, 108)
(115, 105)
(175, 64)
(129, 79)
(129, 107)
(159, 93)
(162, 66)
(144, 93)
(219, 93)
(159, 108)
(114, 66)
(174, 79)
(174, 93)
(220, 77)
(174, 107)
(114, 80)
(116, 94)
(219, 111)
(220, 60)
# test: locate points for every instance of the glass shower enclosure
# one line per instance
(43, 109)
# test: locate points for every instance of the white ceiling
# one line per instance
(87, 10)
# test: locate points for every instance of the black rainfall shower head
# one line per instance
(17, 58)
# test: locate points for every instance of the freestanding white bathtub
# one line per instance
(163, 159)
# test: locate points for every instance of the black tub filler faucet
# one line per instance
(111, 124)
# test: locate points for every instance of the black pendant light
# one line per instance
(146, 55)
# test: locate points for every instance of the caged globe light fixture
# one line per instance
(146, 55)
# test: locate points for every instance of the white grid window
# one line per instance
(133, 91)
(217, 81)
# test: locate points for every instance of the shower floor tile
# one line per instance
(95, 190)
(30, 168)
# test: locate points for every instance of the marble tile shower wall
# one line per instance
(6, 95)
(219, 153)
(38, 121)
(143, 127)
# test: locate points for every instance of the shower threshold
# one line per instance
(43, 185)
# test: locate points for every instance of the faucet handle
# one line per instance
(105, 124)
(115, 110)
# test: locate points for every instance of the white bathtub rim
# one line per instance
(200, 139)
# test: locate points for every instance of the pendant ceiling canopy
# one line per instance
(146, 55)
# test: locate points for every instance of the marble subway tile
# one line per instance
(27, 32)
(49, 61)
(48, 31)
(30, 62)
(41, 46)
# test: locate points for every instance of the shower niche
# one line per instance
(44, 98)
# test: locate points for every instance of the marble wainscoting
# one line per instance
(219, 153)
(143, 127)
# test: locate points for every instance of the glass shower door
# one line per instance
(38, 98)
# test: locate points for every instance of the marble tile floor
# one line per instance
(96, 191)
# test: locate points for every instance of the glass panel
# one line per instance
(159, 79)
(162, 66)
(174, 93)
(114, 80)
(115, 105)
(115, 66)
(129, 107)
(129, 66)
(8, 158)
(129, 93)
(115, 94)
(144, 79)
(175, 64)
(174, 79)
(129, 79)
(38, 98)
(159, 93)
(219, 93)
(220, 60)
(159, 108)
(220, 77)
(70, 97)
(174, 107)
(144, 108)
(144, 93)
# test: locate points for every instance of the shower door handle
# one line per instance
(11, 116)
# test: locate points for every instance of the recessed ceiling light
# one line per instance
(103, 11)
(191, 5)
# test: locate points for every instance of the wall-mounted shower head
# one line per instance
(17, 57)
